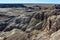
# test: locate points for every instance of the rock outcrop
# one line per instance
(30, 22)
(55, 36)
(14, 34)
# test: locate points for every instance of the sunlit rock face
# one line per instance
(30, 22)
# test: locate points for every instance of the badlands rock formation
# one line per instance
(30, 22)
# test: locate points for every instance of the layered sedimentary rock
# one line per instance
(31, 22)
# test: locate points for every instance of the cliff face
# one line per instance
(31, 22)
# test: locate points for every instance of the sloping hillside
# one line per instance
(30, 22)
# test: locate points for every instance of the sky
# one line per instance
(31, 1)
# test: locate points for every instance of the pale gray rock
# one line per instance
(55, 36)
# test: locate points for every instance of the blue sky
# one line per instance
(30, 1)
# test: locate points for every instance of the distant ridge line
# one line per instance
(11, 5)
